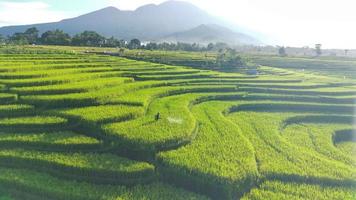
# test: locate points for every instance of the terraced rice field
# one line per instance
(81, 126)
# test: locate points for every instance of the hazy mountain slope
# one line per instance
(147, 22)
(204, 34)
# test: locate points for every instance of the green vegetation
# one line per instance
(93, 39)
(225, 59)
(325, 66)
(21, 183)
(77, 125)
(280, 190)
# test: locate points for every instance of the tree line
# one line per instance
(94, 39)
(59, 37)
(318, 51)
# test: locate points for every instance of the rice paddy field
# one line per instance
(84, 127)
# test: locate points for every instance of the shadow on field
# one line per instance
(296, 108)
(321, 181)
(347, 135)
(203, 183)
(320, 119)
(294, 92)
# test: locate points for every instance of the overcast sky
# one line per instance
(285, 22)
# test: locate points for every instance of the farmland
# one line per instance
(77, 125)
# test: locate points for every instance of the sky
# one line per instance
(283, 22)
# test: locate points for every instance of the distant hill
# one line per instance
(149, 22)
(204, 34)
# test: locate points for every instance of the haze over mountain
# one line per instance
(207, 33)
(176, 21)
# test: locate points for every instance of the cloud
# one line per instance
(295, 23)
(19, 13)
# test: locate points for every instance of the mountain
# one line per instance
(149, 22)
(207, 33)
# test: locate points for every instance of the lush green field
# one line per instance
(82, 126)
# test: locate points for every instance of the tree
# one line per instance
(88, 38)
(56, 37)
(228, 58)
(31, 35)
(318, 49)
(233, 59)
(112, 42)
(220, 57)
(346, 52)
(134, 44)
(221, 45)
(210, 47)
(282, 51)
(121, 51)
(18, 38)
(122, 43)
(2, 40)
(151, 46)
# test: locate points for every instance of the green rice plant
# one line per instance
(15, 110)
(75, 125)
(300, 92)
(330, 67)
(348, 148)
(145, 96)
(294, 190)
(4, 195)
(17, 181)
(296, 108)
(47, 69)
(81, 86)
(174, 77)
(98, 97)
(319, 138)
(32, 123)
(147, 134)
(99, 168)
(7, 98)
(53, 141)
(105, 113)
(38, 72)
(56, 79)
(263, 131)
(220, 161)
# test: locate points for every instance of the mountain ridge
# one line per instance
(149, 22)
(211, 33)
